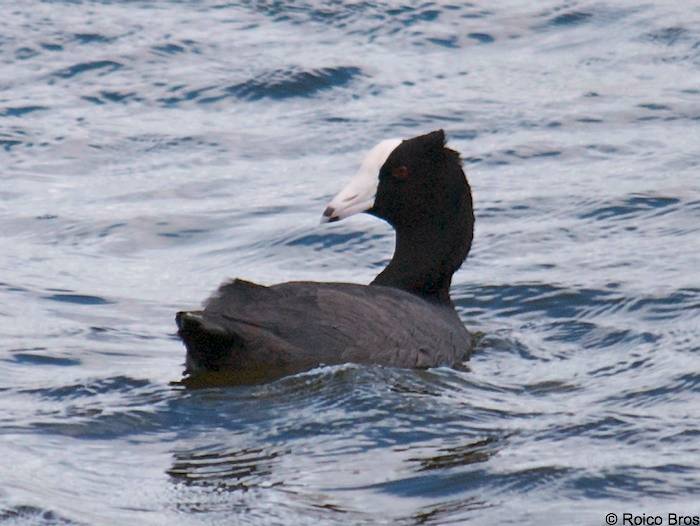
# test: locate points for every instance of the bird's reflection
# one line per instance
(232, 469)
(472, 453)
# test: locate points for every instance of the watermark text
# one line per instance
(650, 519)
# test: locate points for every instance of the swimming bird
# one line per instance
(404, 318)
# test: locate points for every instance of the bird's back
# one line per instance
(296, 326)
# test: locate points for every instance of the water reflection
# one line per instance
(226, 469)
(472, 453)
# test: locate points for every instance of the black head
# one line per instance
(418, 187)
(402, 181)
(421, 181)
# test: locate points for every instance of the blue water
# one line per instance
(149, 150)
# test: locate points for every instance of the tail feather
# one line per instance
(208, 343)
(191, 322)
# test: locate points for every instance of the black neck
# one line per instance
(426, 256)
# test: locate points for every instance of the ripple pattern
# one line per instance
(151, 150)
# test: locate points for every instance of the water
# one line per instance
(151, 150)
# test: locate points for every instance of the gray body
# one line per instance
(295, 326)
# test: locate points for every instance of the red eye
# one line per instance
(400, 172)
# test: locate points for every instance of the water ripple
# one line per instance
(104, 67)
(277, 84)
(143, 163)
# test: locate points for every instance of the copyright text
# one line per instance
(668, 519)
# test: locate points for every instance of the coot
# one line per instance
(404, 318)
